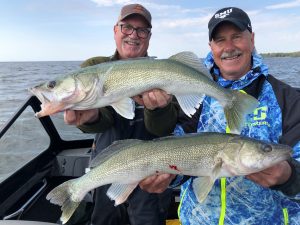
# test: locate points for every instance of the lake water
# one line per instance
(17, 77)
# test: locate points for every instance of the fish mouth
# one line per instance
(40, 95)
(286, 156)
(48, 106)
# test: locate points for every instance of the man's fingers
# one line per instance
(148, 101)
(157, 183)
(149, 180)
(160, 98)
(259, 179)
(274, 175)
(70, 117)
(156, 98)
(138, 99)
(79, 117)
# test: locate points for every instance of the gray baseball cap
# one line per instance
(138, 9)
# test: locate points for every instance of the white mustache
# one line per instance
(231, 54)
(131, 40)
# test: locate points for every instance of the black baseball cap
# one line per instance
(230, 14)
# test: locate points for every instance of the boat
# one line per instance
(36, 162)
(56, 158)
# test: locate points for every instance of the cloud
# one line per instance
(265, 23)
(111, 3)
(155, 8)
(124, 2)
(188, 22)
(284, 5)
(168, 16)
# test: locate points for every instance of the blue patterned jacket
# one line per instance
(237, 200)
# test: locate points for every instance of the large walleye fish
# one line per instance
(208, 155)
(113, 83)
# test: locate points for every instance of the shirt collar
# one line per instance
(258, 68)
(116, 56)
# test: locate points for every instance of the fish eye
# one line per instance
(51, 84)
(267, 148)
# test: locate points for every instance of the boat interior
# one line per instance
(37, 154)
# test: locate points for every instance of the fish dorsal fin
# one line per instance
(113, 149)
(173, 137)
(139, 58)
(120, 192)
(125, 108)
(121, 61)
(190, 59)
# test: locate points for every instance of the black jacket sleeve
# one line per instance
(289, 102)
(162, 121)
(105, 122)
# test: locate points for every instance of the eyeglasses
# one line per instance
(128, 29)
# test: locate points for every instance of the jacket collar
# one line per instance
(258, 68)
(116, 56)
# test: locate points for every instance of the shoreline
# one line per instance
(281, 54)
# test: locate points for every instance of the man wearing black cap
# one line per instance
(271, 196)
(230, 35)
(132, 34)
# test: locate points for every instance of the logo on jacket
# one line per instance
(260, 113)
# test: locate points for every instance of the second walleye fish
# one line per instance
(207, 155)
(113, 83)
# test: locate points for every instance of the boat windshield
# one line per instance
(68, 132)
(26, 138)
(22, 142)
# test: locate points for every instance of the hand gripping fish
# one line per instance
(208, 156)
(114, 83)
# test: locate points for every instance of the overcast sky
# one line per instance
(37, 30)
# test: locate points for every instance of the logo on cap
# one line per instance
(222, 15)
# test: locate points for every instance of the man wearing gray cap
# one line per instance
(271, 196)
(132, 34)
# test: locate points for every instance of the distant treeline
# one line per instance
(281, 54)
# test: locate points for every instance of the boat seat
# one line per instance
(24, 222)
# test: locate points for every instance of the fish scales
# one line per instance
(164, 74)
(208, 156)
(114, 83)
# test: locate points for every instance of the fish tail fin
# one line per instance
(68, 209)
(63, 195)
(235, 113)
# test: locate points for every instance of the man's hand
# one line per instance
(153, 99)
(276, 175)
(79, 117)
(157, 183)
